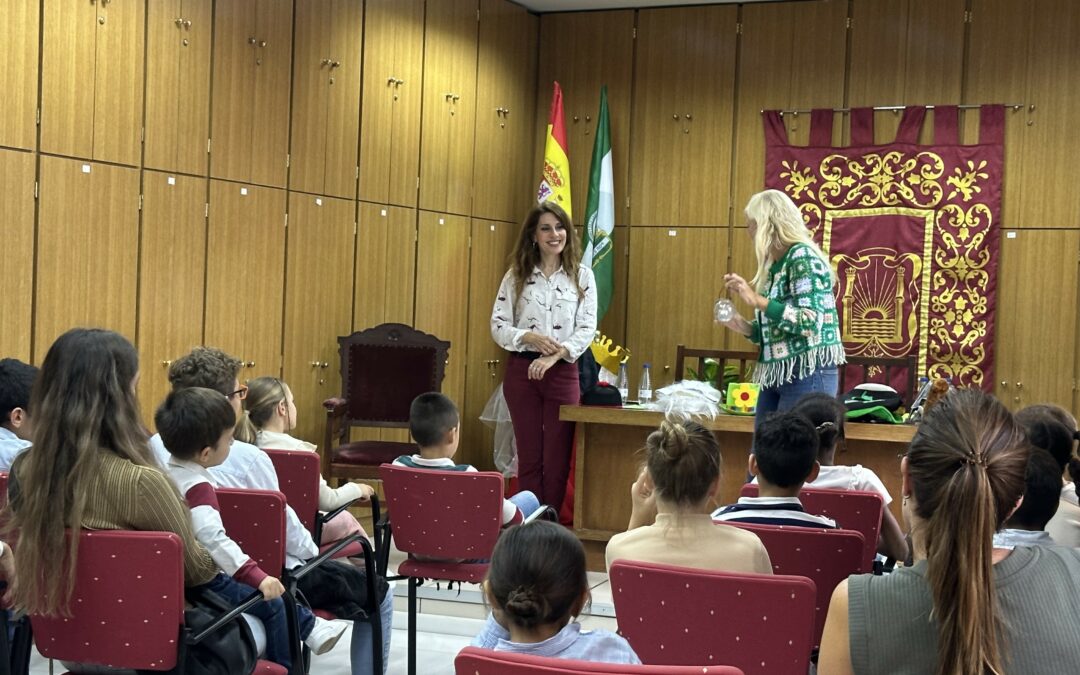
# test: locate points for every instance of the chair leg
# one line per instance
(412, 625)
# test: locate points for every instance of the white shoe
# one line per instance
(325, 635)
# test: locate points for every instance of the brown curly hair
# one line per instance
(207, 367)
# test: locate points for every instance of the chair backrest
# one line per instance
(745, 359)
(851, 509)
(128, 607)
(763, 624)
(826, 557)
(899, 373)
(384, 368)
(443, 514)
(298, 477)
(476, 661)
(255, 520)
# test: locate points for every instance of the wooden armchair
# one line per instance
(903, 371)
(382, 370)
(745, 359)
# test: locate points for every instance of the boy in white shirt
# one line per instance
(196, 426)
(16, 381)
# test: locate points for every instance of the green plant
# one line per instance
(709, 371)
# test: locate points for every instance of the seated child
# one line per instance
(536, 584)
(670, 522)
(435, 426)
(1049, 428)
(1060, 447)
(196, 426)
(16, 381)
(271, 414)
(827, 415)
(1042, 487)
(784, 457)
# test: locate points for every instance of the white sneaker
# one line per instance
(325, 635)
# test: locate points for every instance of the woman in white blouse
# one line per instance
(545, 316)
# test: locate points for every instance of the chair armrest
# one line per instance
(234, 613)
(335, 407)
(323, 518)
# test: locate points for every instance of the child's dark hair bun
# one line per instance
(527, 606)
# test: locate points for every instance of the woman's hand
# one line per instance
(539, 367)
(738, 285)
(643, 499)
(738, 324)
(542, 343)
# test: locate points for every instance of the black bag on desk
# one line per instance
(229, 650)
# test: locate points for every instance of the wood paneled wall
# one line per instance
(689, 149)
(265, 175)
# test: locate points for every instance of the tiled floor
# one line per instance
(448, 620)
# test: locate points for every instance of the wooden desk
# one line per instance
(608, 462)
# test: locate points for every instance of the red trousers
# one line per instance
(544, 443)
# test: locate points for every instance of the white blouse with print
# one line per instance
(548, 306)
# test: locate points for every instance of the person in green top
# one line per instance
(795, 323)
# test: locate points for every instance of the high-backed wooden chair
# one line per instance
(885, 371)
(744, 359)
(382, 370)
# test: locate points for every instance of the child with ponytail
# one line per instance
(672, 499)
(964, 607)
(536, 585)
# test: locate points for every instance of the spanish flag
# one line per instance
(555, 182)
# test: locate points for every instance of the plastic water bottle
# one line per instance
(645, 386)
(623, 383)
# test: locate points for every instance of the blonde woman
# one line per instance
(795, 323)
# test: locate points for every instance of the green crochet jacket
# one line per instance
(799, 331)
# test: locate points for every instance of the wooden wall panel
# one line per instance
(270, 106)
(321, 236)
(67, 78)
(233, 89)
(584, 51)
(385, 266)
(19, 33)
(118, 82)
(87, 254)
(172, 279)
(905, 52)
(792, 56)
(343, 100)
(17, 282)
(684, 127)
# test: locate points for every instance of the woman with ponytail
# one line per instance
(535, 585)
(964, 607)
(672, 499)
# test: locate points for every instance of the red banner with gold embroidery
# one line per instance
(912, 233)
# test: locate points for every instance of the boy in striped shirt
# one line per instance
(784, 458)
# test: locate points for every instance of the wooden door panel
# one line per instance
(118, 82)
(311, 72)
(233, 89)
(163, 41)
(19, 33)
(408, 41)
(503, 173)
(343, 99)
(193, 124)
(318, 303)
(449, 114)
(87, 255)
(172, 279)
(67, 77)
(376, 122)
(489, 249)
(584, 51)
(17, 283)
(245, 272)
(270, 110)
(442, 290)
(385, 266)
(667, 303)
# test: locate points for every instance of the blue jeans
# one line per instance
(360, 651)
(785, 396)
(526, 502)
(270, 612)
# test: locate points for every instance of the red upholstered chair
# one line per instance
(763, 624)
(128, 606)
(255, 520)
(449, 515)
(826, 557)
(475, 661)
(851, 509)
(298, 477)
(382, 370)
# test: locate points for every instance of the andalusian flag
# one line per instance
(555, 183)
(600, 212)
